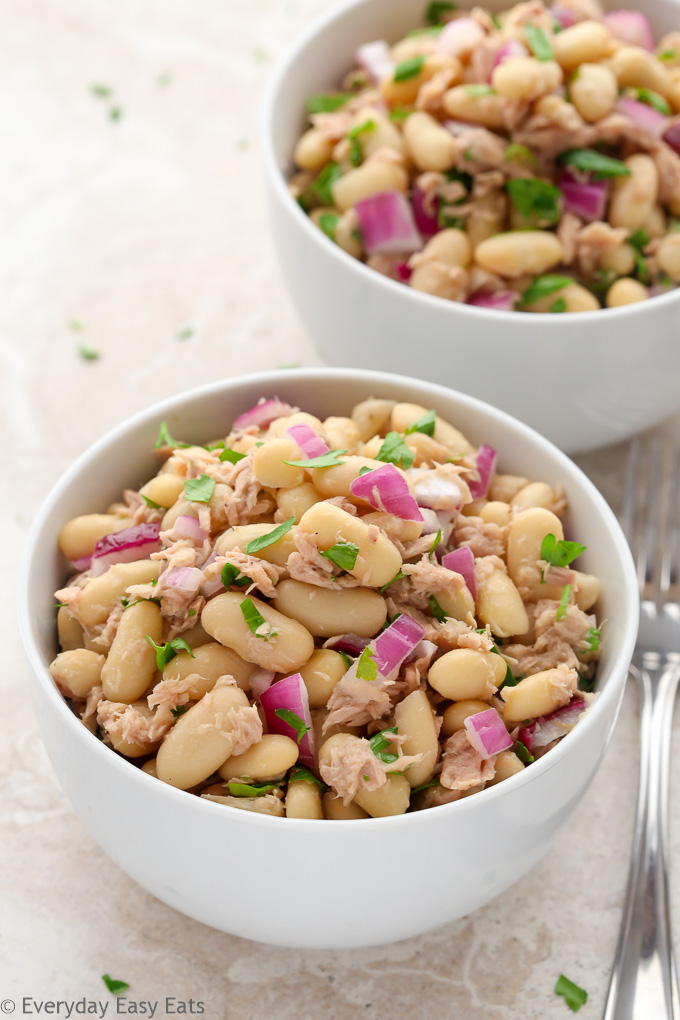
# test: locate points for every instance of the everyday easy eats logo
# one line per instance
(121, 1006)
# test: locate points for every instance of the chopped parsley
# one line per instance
(428, 30)
(165, 653)
(238, 789)
(300, 774)
(256, 621)
(262, 541)
(342, 554)
(435, 543)
(346, 659)
(199, 490)
(574, 996)
(114, 985)
(593, 640)
(544, 286)
(367, 668)
(379, 745)
(165, 439)
(436, 11)
(651, 98)
(519, 152)
(425, 424)
(559, 553)
(523, 753)
(322, 187)
(88, 353)
(478, 90)
(437, 610)
(395, 451)
(231, 455)
(232, 575)
(409, 68)
(150, 503)
(448, 222)
(177, 712)
(638, 241)
(564, 602)
(294, 721)
(329, 459)
(397, 577)
(595, 162)
(535, 199)
(355, 150)
(327, 102)
(668, 55)
(400, 113)
(539, 44)
(559, 306)
(365, 470)
(425, 786)
(328, 222)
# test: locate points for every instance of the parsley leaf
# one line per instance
(232, 575)
(300, 774)
(360, 129)
(593, 639)
(425, 424)
(328, 222)
(150, 503)
(256, 621)
(437, 10)
(564, 602)
(668, 55)
(595, 162)
(519, 152)
(165, 653)
(272, 536)
(523, 753)
(558, 306)
(343, 554)
(294, 721)
(425, 786)
(231, 455)
(322, 187)
(539, 44)
(535, 199)
(395, 451)
(88, 353)
(114, 985)
(329, 459)
(356, 152)
(559, 554)
(367, 668)
(327, 102)
(199, 490)
(400, 113)
(177, 712)
(544, 286)
(346, 659)
(409, 68)
(638, 241)
(397, 577)
(653, 99)
(574, 996)
(437, 610)
(379, 745)
(435, 543)
(165, 439)
(237, 789)
(478, 90)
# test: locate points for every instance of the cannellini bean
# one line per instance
(535, 695)
(372, 447)
(69, 630)
(655, 225)
(674, 91)
(239, 537)
(405, 415)
(405, 93)
(534, 494)
(405, 531)
(384, 134)
(626, 292)
(79, 536)
(201, 740)
(430, 146)
(348, 236)
(465, 673)
(268, 759)
(668, 256)
(496, 512)
(526, 78)
(427, 450)
(313, 150)
(449, 246)
(325, 611)
(507, 764)
(439, 280)
(455, 715)
(594, 91)
(504, 487)
(164, 489)
(375, 175)
(391, 799)
(196, 636)
(377, 560)
(287, 648)
(336, 481)
(150, 768)
(181, 508)
(210, 661)
(415, 720)
(518, 252)
(500, 605)
(269, 467)
(342, 434)
(102, 594)
(323, 671)
(463, 102)
(635, 67)
(131, 663)
(335, 810)
(634, 197)
(619, 257)
(296, 501)
(135, 748)
(526, 532)
(487, 217)
(77, 671)
(303, 800)
(585, 43)
(458, 605)
(573, 297)
(371, 416)
(278, 428)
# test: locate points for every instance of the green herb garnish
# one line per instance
(328, 222)
(477, 90)
(342, 554)
(574, 996)
(328, 102)
(523, 753)
(88, 353)
(593, 639)
(150, 503)
(300, 774)
(177, 712)
(409, 68)
(564, 602)
(520, 152)
(425, 786)
(232, 575)
(437, 10)
(165, 439)
(293, 721)
(397, 577)
(322, 187)
(437, 610)
(653, 99)
(329, 459)
(272, 536)
(256, 621)
(400, 113)
(199, 490)
(114, 985)
(379, 745)
(535, 199)
(346, 659)
(638, 241)
(231, 455)
(367, 668)
(165, 653)
(668, 55)
(237, 789)
(595, 162)
(425, 424)
(544, 286)
(437, 540)
(356, 152)
(395, 451)
(559, 553)
(428, 30)
(539, 44)
(559, 306)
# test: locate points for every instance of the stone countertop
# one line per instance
(134, 224)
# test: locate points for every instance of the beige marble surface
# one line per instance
(140, 230)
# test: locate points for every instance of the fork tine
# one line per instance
(670, 548)
(628, 504)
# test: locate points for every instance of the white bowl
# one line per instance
(265, 878)
(582, 380)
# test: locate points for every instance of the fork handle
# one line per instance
(644, 982)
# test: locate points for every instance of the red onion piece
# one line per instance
(395, 643)
(260, 681)
(460, 37)
(642, 114)
(374, 60)
(350, 644)
(187, 579)
(462, 561)
(135, 543)
(403, 272)
(487, 733)
(671, 135)
(500, 300)
(291, 694)
(563, 15)
(426, 221)
(512, 48)
(263, 414)
(436, 492)
(307, 439)
(551, 727)
(84, 563)
(631, 27)
(587, 200)
(459, 127)
(187, 526)
(386, 489)
(387, 225)
(486, 462)
(210, 588)
(424, 649)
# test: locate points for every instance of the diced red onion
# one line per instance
(563, 15)
(487, 733)
(385, 489)
(631, 27)
(135, 543)
(425, 209)
(263, 414)
(403, 272)
(350, 644)
(462, 561)
(512, 48)
(374, 60)
(84, 563)
(307, 439)
(424, 649)
(387, 225)
(587, 200)
(500, 300)
(460, 37)
(642, 114)
(551, 727)
(486, 462)
(210, 588)
(260, 681)
(458, 127)
(187, 526)
(395, 643)
(431, 523)
(671, 135)
(187, 579)
(290, 693)
(436, 491)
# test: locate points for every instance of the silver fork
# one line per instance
(644, 982)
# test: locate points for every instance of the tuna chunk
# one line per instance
(482, 538)
(557, 641)
(462, 766)
(355, 702)
(307, 564)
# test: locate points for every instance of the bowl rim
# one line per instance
(172, 405)
(295, 55)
